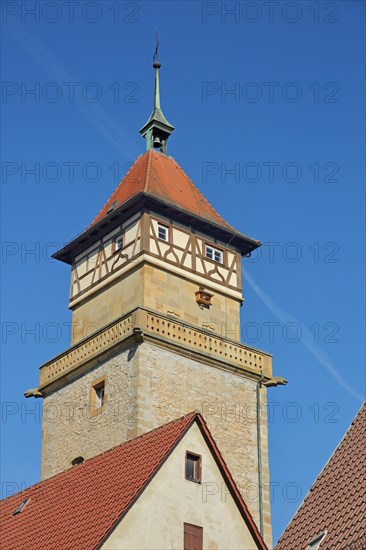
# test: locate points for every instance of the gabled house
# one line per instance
(169, 488)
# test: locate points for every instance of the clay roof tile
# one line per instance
(161, 176)
(336, 501)
(77, 508)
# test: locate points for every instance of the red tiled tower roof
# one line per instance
(161, 176)
(157, 180)
(336, 501)
(78, 508)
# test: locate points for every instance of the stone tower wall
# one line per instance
(147, 386)
(70, 427)
(159, 290)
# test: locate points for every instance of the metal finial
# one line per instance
(156, 63)
(157, 129)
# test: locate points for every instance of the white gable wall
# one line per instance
(155, 521)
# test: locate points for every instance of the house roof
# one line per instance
(79, 507)
(336, 501)
(161, 176)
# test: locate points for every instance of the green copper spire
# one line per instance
(157, 129)
(157, 66)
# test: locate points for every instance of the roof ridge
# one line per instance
(341, 442)
(200, 194)
(148, 170)
(151, 432)
(193, 414)
(157, 176)
(113, 192)
(200, 199)
(215, 450)
(126, 473)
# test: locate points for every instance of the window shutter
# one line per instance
(199, 469)
(193, 537)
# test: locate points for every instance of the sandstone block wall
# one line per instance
(70, 427)
(108, 304)
(171, 385)
(159, 290)
(147, 386)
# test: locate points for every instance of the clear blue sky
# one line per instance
(292, 131)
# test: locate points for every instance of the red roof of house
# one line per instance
(336, 502)
(161, 176)
(78, 508)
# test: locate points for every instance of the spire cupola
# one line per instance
(157, 129)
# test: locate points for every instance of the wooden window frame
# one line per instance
(197, 467)
(167, 240)
(118, 237)
(188, 537)
(95, 408)
(217, 249)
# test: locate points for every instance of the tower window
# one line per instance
(118, 243)
(98, 396)
(162, 232)
(214, 254)
(193, 537)
(99, 393)
(193, 467)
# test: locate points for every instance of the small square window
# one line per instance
(214, 254)
(118, 243)
(193, 467)
(162, 232)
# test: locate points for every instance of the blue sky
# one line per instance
(268, 106)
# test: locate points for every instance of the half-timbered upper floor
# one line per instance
(160, 241)
(157, 219)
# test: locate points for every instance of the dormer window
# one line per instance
(112, 207)
(214, 254)
(315, 542)
(162, 232)
(21, 506)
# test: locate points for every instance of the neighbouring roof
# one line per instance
(336, 501)
(79, 507)
(161, 176)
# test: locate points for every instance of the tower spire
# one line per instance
(157, 129)
(156, 66)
